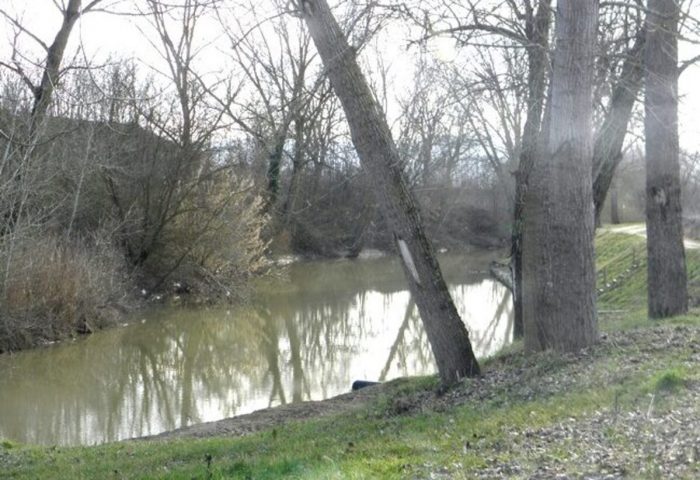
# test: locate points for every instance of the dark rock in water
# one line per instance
(83, 327)
(358, 384)
(502, 273)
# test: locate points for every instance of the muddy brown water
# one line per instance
(305, 336)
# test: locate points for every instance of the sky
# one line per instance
(102, 35)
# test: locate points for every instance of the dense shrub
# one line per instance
(211, 248)
(55, 288)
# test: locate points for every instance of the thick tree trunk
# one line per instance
(666, 270)
(607, 151)
(558, 262)
(377, 151)
(537, 30)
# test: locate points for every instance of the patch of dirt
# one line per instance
(272, 417)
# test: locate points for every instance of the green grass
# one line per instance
(621, 257)
(624, 257)
(369, 444)
(669, 380)
(452, 439)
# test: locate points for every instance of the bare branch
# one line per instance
(24, 30)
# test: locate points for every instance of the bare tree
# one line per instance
(558, 260)
(439, 146)
(666, 270)
(521, 24)
(286, 91)
(19, 173)
(51, 68)
(372, 138)
(288, 111)
(496, 107)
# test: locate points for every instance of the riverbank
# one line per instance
(627, 408)
(75, 293)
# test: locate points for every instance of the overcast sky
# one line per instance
(103, 35)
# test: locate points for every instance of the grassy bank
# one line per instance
(628, 408)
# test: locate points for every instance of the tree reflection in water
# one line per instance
(305, 337)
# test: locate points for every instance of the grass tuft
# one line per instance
(669, 381)
(7, 444)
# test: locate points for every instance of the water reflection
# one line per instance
(304, 337)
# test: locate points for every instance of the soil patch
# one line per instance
(271, 417)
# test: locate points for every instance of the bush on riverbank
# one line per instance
(54, 288)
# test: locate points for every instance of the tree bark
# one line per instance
(377, 151)
(614, 205)
(274, 167)
(54, 56)
(666, 269)
(558, 260)
(537, 31)
(607, 151)
(290, 202)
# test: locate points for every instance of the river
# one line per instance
(306, 334)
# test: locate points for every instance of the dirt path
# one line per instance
(272, 417)
(640, 230)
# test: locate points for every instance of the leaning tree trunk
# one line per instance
(558, 261)
(537, 30)
(666, 270)
(607, 150)
(377, 151)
